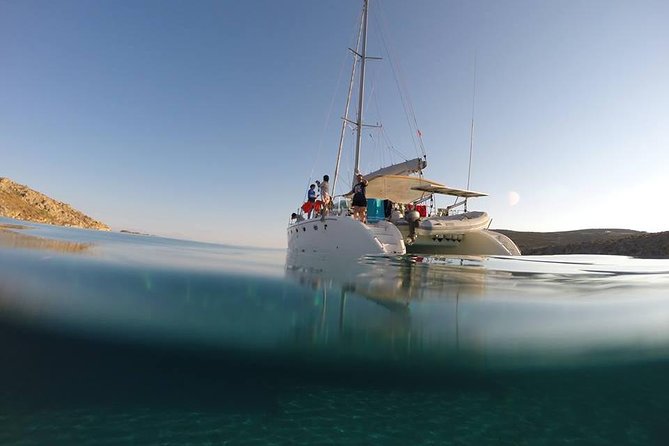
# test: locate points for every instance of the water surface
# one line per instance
(112, 338)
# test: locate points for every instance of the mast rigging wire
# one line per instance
(329, 114)
(344, 125)
(471, 130)
(409, 111)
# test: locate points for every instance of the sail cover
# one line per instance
(408, 189)
(412, 166)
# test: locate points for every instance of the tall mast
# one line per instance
(361, 91)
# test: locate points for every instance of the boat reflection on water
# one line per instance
(378, 307)
(390, 280)
(491, 313)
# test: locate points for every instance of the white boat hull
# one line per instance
(343, 236)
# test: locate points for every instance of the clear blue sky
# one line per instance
(207, 120)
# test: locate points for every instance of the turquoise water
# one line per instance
(110, 338)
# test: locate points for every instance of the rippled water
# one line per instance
(112, 338)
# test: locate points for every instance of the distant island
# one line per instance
(126, 231)
(23, 203)
(622, 242)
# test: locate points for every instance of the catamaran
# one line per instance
(398, 196)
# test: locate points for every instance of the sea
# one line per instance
(116, 338)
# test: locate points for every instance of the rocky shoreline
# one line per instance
(23, 203)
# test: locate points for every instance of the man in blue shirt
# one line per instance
(311, 198)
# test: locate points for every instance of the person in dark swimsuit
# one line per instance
(359, 202)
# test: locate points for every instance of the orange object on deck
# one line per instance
(309, 206)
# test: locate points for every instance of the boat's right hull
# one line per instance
(478, 243)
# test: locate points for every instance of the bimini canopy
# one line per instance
(438, 189)
(408, 189)
(399, 188)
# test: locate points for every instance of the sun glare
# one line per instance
(514, 198)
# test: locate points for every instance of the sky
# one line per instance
(208, 120)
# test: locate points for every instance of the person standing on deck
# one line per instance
(359, 202)
(325, 194)
(311, 199)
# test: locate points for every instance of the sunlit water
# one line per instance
(110, 338)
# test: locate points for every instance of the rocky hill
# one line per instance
(622, 242)
(21, 202)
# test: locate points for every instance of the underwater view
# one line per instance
(114, 338)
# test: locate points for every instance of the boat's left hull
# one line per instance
(336, 236)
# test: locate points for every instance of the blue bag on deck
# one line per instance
(375, 210)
